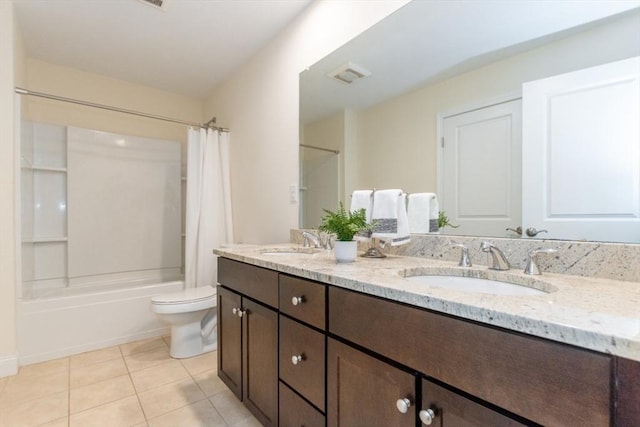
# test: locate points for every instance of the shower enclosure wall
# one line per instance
(101, 225)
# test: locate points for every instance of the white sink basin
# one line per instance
(473, 284)
(290, 251)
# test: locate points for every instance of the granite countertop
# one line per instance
(592, 313)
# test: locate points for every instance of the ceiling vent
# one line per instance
(349, 73)
(158, 4)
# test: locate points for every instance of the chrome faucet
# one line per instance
(465, 261)
(498, 259)
(309, 239)
(532, 267)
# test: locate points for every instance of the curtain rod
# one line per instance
(320, 148)
(209, 125)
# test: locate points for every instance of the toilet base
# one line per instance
(187, 341)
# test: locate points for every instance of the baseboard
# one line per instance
(8, 365)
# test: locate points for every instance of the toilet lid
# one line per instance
(186, 296)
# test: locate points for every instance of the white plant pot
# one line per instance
(346, 251)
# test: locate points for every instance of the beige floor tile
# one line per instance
(204, 362)
(210, 383)
(96, 394)
(231, 409)
(200, 414)
(167, 340)
(60, 422)
(56, 366)
(85, 375)
(123, 412)
(142, 346)
(147, 359)
(160, 400)
(93, 357)
(249, 422)
(36, 411)
(19, 389)
(3, 382)
(168, 372)
(144, 424)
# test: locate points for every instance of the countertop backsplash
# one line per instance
(619, 261)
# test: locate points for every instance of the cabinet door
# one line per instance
(230, 340)
(449, 409)
(260, 356)
(363, 391)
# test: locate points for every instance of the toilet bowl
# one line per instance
(192, 316)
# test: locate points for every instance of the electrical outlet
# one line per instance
(293, 193)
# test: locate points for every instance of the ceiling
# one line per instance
(188, 47)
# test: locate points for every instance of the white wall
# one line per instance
(259, 103)
(8, 357)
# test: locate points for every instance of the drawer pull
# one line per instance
(427, 416)
(297, 358)
(238, 311)
(297, 300)
(403, 405)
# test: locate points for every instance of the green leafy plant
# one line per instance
(443, 221)
(344, 224)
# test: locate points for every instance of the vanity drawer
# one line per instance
(306, 376)
(544, 381)
(255, 282)
(296, 412)
(310, 300)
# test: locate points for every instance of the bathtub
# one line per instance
(62, 324)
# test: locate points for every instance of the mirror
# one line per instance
(425, 64)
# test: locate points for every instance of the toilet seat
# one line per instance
(192, 299)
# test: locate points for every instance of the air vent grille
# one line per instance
(158, 4)
(349, 73)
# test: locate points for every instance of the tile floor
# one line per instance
(136, 384)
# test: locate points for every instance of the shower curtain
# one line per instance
(208, 216)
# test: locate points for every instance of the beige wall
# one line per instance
(259, 103)
(77, 84)
(8, 361)
(397, 138)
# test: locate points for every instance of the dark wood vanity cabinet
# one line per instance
(301, 353)
(248, 336)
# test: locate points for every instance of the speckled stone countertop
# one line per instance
(594, 313)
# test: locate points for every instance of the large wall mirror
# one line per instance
(428, 65)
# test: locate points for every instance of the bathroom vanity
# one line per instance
(306, 341)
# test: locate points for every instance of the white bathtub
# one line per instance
(95, 318)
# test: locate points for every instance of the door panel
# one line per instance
(581, 139)
(260, 346)
(482, 170)
(229, 341)
(362, 391)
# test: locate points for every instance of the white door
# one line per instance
(581, 150)
(481, 170)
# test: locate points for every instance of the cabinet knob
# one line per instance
(238, 311)
(403, 405)
(297, 300)
(297, 358)
(427, 416)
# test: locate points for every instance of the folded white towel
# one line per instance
(422, 211)
(362, 199)
(389, 217)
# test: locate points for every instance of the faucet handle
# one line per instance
(532, 267)
(465, 261)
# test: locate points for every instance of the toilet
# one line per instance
(192, 316)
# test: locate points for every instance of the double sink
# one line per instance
(465, 280)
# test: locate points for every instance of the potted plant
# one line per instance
(344, 225)
(443, 221)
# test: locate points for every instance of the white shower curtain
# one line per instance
(208, 216)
